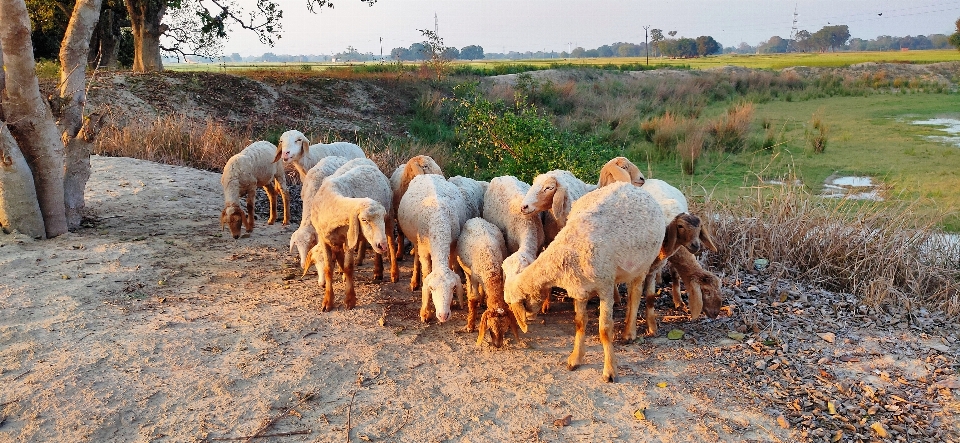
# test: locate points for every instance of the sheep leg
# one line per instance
(251, 199)
(650, 294)
(285, 195)
(328, 261)
(415, 276)
(394, 269)
(606, 338)
(361, 253)
(472, 306)
(576, 357)
(378, 267)
(272, 198)
(351, 299)
(634, 288)
(424, 259)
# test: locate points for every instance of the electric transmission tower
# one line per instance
(793, 30)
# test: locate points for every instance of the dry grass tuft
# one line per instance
(876, 250)
(817, 136)
(175, 140)
(690, 149)
(730, 130)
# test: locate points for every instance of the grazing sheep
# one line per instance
(554, 192)
(430, 214)
(242, 175)
(480, 252)
(305, 237)
(473, 192)
(612, 234)
(703, 287)
(350, 204)
(294, 147)
(620, 169)
(400, 180)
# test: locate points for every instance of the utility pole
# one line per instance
(646, 45)
(381, 49)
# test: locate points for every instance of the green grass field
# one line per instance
(757, 61)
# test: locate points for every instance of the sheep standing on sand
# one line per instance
(400, 180)
(431, 213)
(612, 234)
(554, 192)
(294, 147)
(305, 237)
(252, 168)
(480, 252)
(348, 207)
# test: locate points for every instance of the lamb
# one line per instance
(242, 175)
(349, 204)
(430, 214)
(554, 192)
(305, 237)
(620, 169)
(294, 147)
(480, 252)
(612, 234)
(400, 180)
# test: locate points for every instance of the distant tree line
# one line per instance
(837, 38)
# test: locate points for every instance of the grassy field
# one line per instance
(758, 61)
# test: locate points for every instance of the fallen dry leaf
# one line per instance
(782, 421)
(640, 414)
(829, 337)
(879, 429)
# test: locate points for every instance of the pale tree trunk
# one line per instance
(145, 23)
(28, 116)
(19, 210)
(70, 118)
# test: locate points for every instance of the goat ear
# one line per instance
(353, 232)
(670, 238)
(706, 237)
(483, 327)
(561, 205)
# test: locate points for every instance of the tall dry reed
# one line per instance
(879, 251)
(690, 149)
(730, 130)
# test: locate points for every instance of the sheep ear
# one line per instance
(706, 237)
(304, 147)
(353, 232)
(310, 262)
(670, 238)
(223, 219)
(279, 151)
(613, 174)
(483, 327)
(561, 205)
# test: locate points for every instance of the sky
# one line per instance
(560, 25)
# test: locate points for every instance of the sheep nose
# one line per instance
(381, 247)
(443, 317)
(524, 208)
(236, 236)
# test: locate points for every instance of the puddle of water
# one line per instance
(949, 125)
(851, 187)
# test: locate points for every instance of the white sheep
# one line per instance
(348, 205)
(294, 148)
(480, 252)
(554, 192)
(304, 238)
(242, 175)
(501, 206)
(612, 234)
(430, 214)
(400, 180)
(473, 193)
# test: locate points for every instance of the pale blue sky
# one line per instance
(532, 25)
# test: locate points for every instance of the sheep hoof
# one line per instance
(609, 378)
(571, 366)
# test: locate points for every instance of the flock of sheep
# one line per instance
(513, 241)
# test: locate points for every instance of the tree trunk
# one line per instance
(19, 210)
(73, 66)
(145, 22)
(104, 43)
(28, 116)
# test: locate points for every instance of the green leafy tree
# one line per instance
(472, 52)
(656, 36)
(706, 45)
(435, 51)
(955, 37)
(578, 52)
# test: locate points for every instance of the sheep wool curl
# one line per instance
(304, 238)
(554, 192)
(480, 252)
(431, 213)
(294, 147)
(501, 206)
(252, 168)
(473, 191)
(613, 234)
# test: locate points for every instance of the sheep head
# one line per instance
(422, 164)
(683, 231)
(370, 221)
(291, 146)
(543, 195)
(712, 297)
(440, 285)
(497, 320)
(303, 239)
(620, 169)
(232, 217)
(522, 305)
